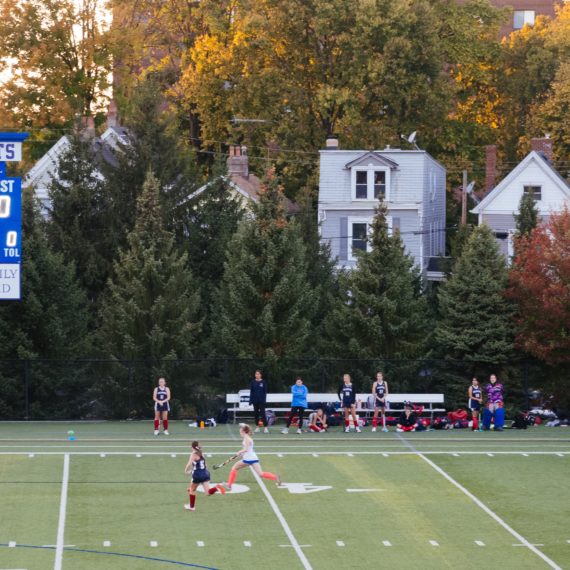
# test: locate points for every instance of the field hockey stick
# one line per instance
(227, 461)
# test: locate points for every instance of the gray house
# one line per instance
(535, 174)
(412, 184)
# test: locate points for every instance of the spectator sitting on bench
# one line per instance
(408, 420)
(318, 421)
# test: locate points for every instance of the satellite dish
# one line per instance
(412, 138)
(470, 187)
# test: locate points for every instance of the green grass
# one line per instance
(131, 501)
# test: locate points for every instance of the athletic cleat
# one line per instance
(385, 429)
(346, 430)
(299, 430)
(156, 432)
(256, 430)
(265, 430)
(226, 486)
(166, 432)
(373, 430)
(189, 508)
(285, 430)
(358, 430)
(221, 489)
(399, 430)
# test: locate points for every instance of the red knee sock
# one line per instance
(475, 423)
(165, 424)
(374, 422)
(232, 477)
(346, 423)
(192, 501)
(212, 490)
(156, 424)
(267, 475)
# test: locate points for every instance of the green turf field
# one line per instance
(113, 499)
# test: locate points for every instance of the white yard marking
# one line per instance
(153, 543)
(107, 543)
(173, 455)
(279, 455)
(479, 543)
(102, 455)
(385, 455)
(455, 454)
(350, 454)
(434, 542)
(31, 455)
(525, 454)
(12, 544)
(209, 455)
(527, 545)
(291, 546)
(315, 454)
(304, 488)
(200, 543)
(62, 513)
(364, 490)
(560, 454)
(491, 513)
(490, 455)
(281, 518)
(386, 543)
(55, 546)
(247, 543)
(340, 543)
(139, 455)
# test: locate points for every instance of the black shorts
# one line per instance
(474, 405)
(378, 404)
(202, 476)
(348, 403)
(162, 407)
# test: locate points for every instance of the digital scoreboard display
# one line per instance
(10, 237)
(10, 218)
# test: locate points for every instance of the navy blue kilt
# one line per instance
(474, 405)
(162, 407)
(201, 476)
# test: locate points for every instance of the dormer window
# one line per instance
(536, 192)
(370, 183)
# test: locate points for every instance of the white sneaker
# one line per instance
(399, 430)
(285, 430)
(265, 430)
(256, 430)
(166, 432)
(346, 429)
(385, 429)
(189, 508)
(373, 430)
(358, 430)
(156, 432)
(299, 430)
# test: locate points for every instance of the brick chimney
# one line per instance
(490, 166)
(86, 128)
(238, 162)
(332, 143)
(543, 146)
(112, 115)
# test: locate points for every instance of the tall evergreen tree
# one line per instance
(150, 309)
(527, 218)
(265, 304)
(49, 322)
(78, 216)
(475, 324)
(381, 313)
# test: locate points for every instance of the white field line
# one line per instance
(62, 513)
(283, 522)
(492, 514)
(314, 454)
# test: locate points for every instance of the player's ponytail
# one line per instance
(246, 429)
(196, 448)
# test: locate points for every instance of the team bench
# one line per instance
(281, 402)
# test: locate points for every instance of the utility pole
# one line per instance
(464, 199)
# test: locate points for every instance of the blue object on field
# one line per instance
(487, 418)
(499, 418)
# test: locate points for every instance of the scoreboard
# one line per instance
(10, 218)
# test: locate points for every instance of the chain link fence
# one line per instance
(110, 389)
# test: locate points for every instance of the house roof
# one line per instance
(374, 155)
(543, 164)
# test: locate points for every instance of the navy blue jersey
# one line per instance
(380, 389)
(476, 392)
(346, 395)
(161, 394)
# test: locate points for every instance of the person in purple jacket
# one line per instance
(495, 404)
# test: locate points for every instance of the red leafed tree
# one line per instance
(540, 284)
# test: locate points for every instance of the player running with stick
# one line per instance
(161, 397)
(347, 397)
(249, 459)
(380, 393)
(200, 476)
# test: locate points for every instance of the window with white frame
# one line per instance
(522, 17)
(359, 235)
(370, 183)
(536, 191)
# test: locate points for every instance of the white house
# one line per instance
(535, 174)
(411, 183)
(42, 173)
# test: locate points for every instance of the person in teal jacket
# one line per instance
(298, 404)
